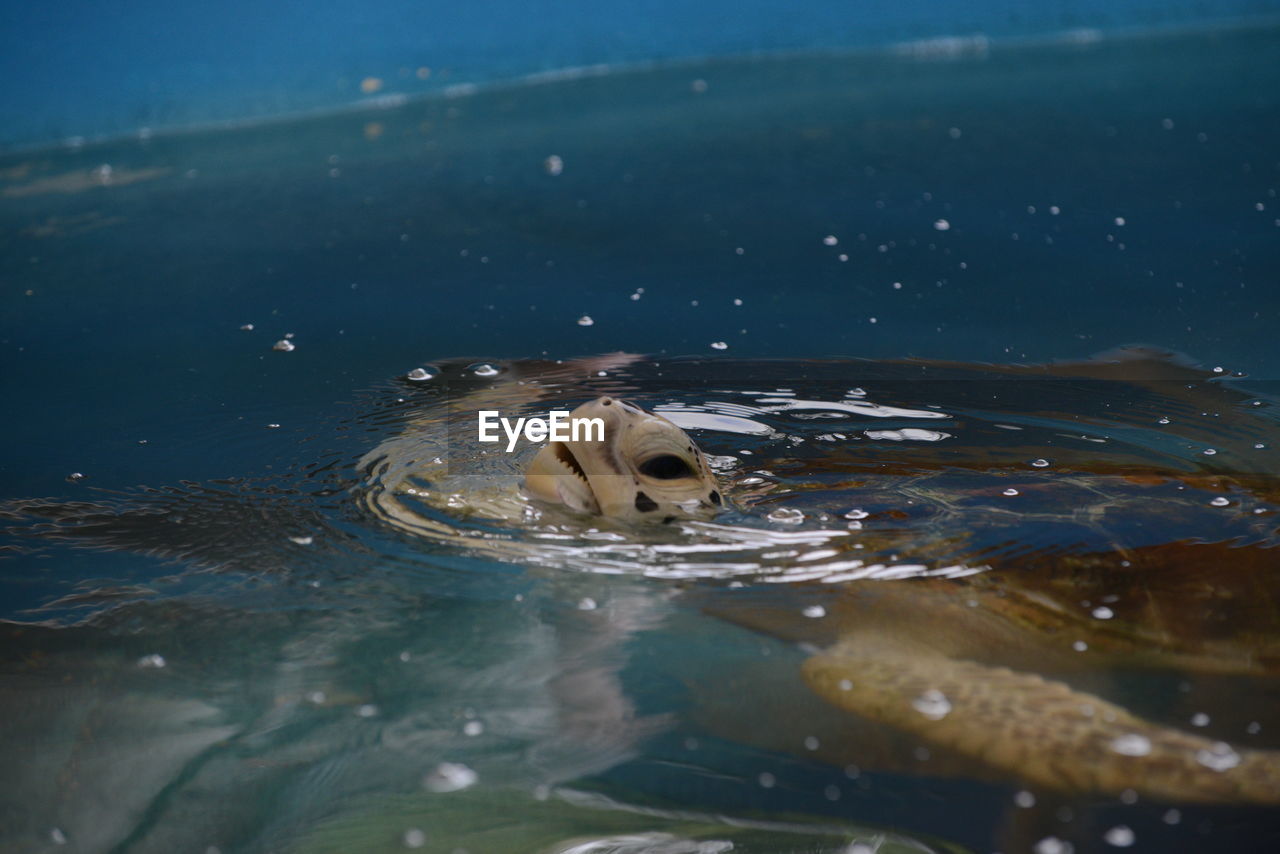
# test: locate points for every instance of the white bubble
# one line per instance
(553, 164)
(302, 541)
(284, 345)
(719, 345)
(367, 710)
(1171, 816)
(1079, 646)
(484, 369)
(57, 837)
(1220, 501)
(1199, 719)
(810, 743)
(1024, 799)
(698, 86)
(449, 777)
(814, 611)
(933, 704)
(1040, 463)
(1131, 744)
(786, 516)
(420, 374)
(585, 320)
(1119, 220)
(154, 661)
(1220, 757)
(942, 225)
(414, 838)
(1052, 845)
(830, 240)
(587, 604)
(954, 133)
(767, 780)
(246, 327)
(1102, 612)
(472, 728)
(1209, 452)
(1010, 491)
(1163, 421)
(1120, 836)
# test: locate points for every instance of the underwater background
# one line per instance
(180, 190)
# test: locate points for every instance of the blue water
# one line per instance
(983, 204)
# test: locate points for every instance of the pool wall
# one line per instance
(78, 70)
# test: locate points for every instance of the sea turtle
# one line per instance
(986, 559)
(1149, 559)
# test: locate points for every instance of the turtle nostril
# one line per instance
(605, 401)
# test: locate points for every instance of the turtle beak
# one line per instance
(556, 476)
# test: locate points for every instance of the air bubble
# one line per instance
(1102, 612)
(719, 345)
(154, 661)
(484, 369)
(830, 240)
(1199, 719)
(1119, 836)
(786, 516)
(1220, 501)
(933, 704)
(1209, 452)
(1010, 491)
(421, 374)
(449, 777)
(284, 345)
(553, 164)
(414, 838)
(814, 612)
(1220, 757)
(1024, 799)
(941, 225)
(1131, 744)
(1041, 463)
(585, 320)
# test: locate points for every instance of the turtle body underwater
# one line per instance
(1026, 575)
(1060, 577)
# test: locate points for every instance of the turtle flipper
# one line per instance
(1039, 731)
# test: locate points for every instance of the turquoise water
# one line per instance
(973, 203)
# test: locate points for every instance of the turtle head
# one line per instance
(639, 467)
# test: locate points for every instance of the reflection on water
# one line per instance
(360, 655)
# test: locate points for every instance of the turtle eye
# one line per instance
(665, 467)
